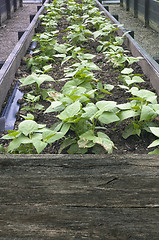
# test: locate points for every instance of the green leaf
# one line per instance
(132, 129)
(12, 134)
(54, 107)
(105, 142)
(154, 143)
(17, 142)
(29, 80)
(108, 117)
(124, 106)
(108, 87)
(54, 137)
(39, 106)
(127, 71)
(28, 116)
(98, 149)
(92, 66)
(2, 148)
(27, 127)
(47, 68)
(70, 111)
(144, 94)
(65, 127)
(123, 87)
(156, 151)
(88, 135)
(90, 110)
(106, 105)
(147, 113)
(74, 149)
(66, 143)
(60, 55)
(155, 131)
(156, 108)
(39, 146)
(44, 78)
(97, 33)
(135, 79)
(127, 114)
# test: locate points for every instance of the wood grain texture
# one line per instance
(79, 197)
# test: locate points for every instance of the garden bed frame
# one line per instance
(78, 196)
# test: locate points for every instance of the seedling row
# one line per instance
(78, 39)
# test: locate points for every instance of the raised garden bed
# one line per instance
(105, 65)
(61, 196)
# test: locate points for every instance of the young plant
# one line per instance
(33, 105)
(78, 34)
(36, 81)
(27, 139)
(143, 108)
(129, 78)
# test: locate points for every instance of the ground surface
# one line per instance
(10, 28)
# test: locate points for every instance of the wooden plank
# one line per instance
(79, 197)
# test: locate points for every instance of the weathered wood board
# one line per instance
(79, 197)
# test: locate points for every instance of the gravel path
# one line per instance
(9, 29)
(146, 37)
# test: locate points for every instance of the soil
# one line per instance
(109, 75)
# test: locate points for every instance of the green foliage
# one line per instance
(78, 34)
(27, 139)
(143, 108)
(36, 80)
(33, 105)
(82, 114)
(155, 131)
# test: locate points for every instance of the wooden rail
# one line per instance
(79, 197)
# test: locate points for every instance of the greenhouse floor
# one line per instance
(10, 28)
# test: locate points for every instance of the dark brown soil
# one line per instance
(109, 75)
